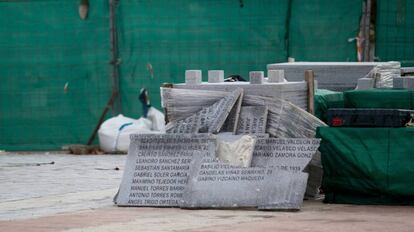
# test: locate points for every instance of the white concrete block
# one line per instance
(193, 77)
(256, 77)
(276, 76)
(215, 76)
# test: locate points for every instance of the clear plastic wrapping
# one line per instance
(285, 120)
(384, 74)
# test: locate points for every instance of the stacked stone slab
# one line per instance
(275, 180)
(157, 167)
(284, 119)
(181, 168)
(337, 76)
(406, 82)
(219, 185)
(252, 120)
(294, 92)
(209, 119)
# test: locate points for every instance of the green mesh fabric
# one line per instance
(172, 36)
(395, 31)
(319, 30)
(45, 46)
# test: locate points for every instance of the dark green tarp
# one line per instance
(367, 165)
(326, 99)
(379, 98)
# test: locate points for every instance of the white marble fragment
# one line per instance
(238, 152)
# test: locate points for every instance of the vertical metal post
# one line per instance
(116, 105)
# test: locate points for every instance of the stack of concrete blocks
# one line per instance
(407, 71)
(336, 76)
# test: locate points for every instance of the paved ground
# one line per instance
(75, 194)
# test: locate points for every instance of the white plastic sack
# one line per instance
(114, 133)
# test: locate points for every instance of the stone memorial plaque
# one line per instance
(209, 119)
(283, 190)
(252, 120)
(157, 167)
(215, 184)
(189, 125)
(289, 154)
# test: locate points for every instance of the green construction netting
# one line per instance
(367, 165)
(44, 45)
(395, 31)
(319, 30)
(172, 36)
(379, 98)
(326, 99)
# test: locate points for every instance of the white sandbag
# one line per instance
(114, 133)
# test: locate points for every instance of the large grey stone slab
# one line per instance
(283, 190)
(337, 76)
(365, 83)
(215, 184)
(157, 167)
(406, 82)
(287, 154)
(407, 71)
(294, 92)
(252, 120)
(209, 119)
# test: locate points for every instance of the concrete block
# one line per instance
(276, 76)
(215, 76)
(256, 77)
(365, 83)
(193, 77)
